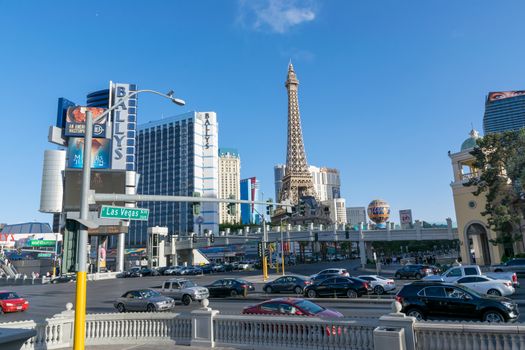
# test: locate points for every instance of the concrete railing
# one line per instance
(249, 332)
(206, 328)
(466, 336)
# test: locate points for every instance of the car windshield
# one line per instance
(309, 306)
(150, 294)
(10, 295)
(188, 284)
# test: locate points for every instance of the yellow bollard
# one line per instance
(80, 311)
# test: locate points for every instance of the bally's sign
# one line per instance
(120, 128)
(207, 130)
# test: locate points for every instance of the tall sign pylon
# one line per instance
(297, 180)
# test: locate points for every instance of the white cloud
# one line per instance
(275, 15)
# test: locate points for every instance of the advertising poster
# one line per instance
(76, 119)
(100, 152)
(501, 95)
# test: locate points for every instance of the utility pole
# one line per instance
(82, 240)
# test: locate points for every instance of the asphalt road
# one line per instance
(49, 299)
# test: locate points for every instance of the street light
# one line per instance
(82, 240)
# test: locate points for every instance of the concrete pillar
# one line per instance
(121, 241)
(418, 230)
(449, 229)
(478, 251)
(362, 248)
(388, 234)
(396, 319)
(202, 326)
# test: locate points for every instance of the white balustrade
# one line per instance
(269, 332)
(465, 336)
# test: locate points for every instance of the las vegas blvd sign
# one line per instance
(110, 212)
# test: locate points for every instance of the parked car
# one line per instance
(184, 290)
(456, 272)
(516, 265)
(487, 285)
(337, 286)
(244, 265)
(295, 284)
(146, 271)
(379, 284)
(190, 270)
(173, 270)
(162, 270)
(424, 299)
(143, 300)
(229, 287)
(291, 306)
(416, 271)
(12, 302)
(329, 273)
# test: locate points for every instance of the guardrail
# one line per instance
(206, 328)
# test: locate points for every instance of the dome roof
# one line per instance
(471, 141)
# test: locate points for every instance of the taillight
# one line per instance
(514, 278)
(307, 282)
(508, 284)
(399, 299)
(390, 282)
(365, 284)
(244, 286)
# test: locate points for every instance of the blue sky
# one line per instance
(386, 87)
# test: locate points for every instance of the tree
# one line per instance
(500, 157)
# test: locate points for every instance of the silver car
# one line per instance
(143, 300)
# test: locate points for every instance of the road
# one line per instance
(49, 299)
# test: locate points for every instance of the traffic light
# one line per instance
(196, 205)
(232, 207)
(269, 207)
(302, 209)
(212, 238)
(194, 238)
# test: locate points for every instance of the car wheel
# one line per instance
(416, 313)
(418, 276)
(493, 317)
(186, 299)
(268, 290)
(311, 293)
(398, 276)
(233, 293)
(298, 290)
(379, 290)
(121, 307)
(494, 292)
(150, 308)
(351, 294)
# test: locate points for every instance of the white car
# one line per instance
(379, 284)
(487, 285)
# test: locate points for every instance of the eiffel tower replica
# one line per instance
(297, 181)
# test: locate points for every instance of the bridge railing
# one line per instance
(207, 328)
(249, 332)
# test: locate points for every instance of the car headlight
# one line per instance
(508, 305)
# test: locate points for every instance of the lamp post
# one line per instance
(82, 239)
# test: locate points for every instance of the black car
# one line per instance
(295, 284)
(424, 299)
(416, 271)
(229, 287)
(140, 271)
(64, 279)
(338, 286)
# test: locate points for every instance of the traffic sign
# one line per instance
(42, 243)
(110, 212)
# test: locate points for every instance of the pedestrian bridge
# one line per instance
(334, 233)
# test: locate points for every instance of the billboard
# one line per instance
(102, 181)
(124, 127)
(76, 119)
(63, 105)
(501, 95)
(100, 151)
(405, 216)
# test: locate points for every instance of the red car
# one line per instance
(291, 306)
(11, 302)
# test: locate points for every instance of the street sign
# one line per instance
(110, 212)
(43, 255)
(42, 243)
